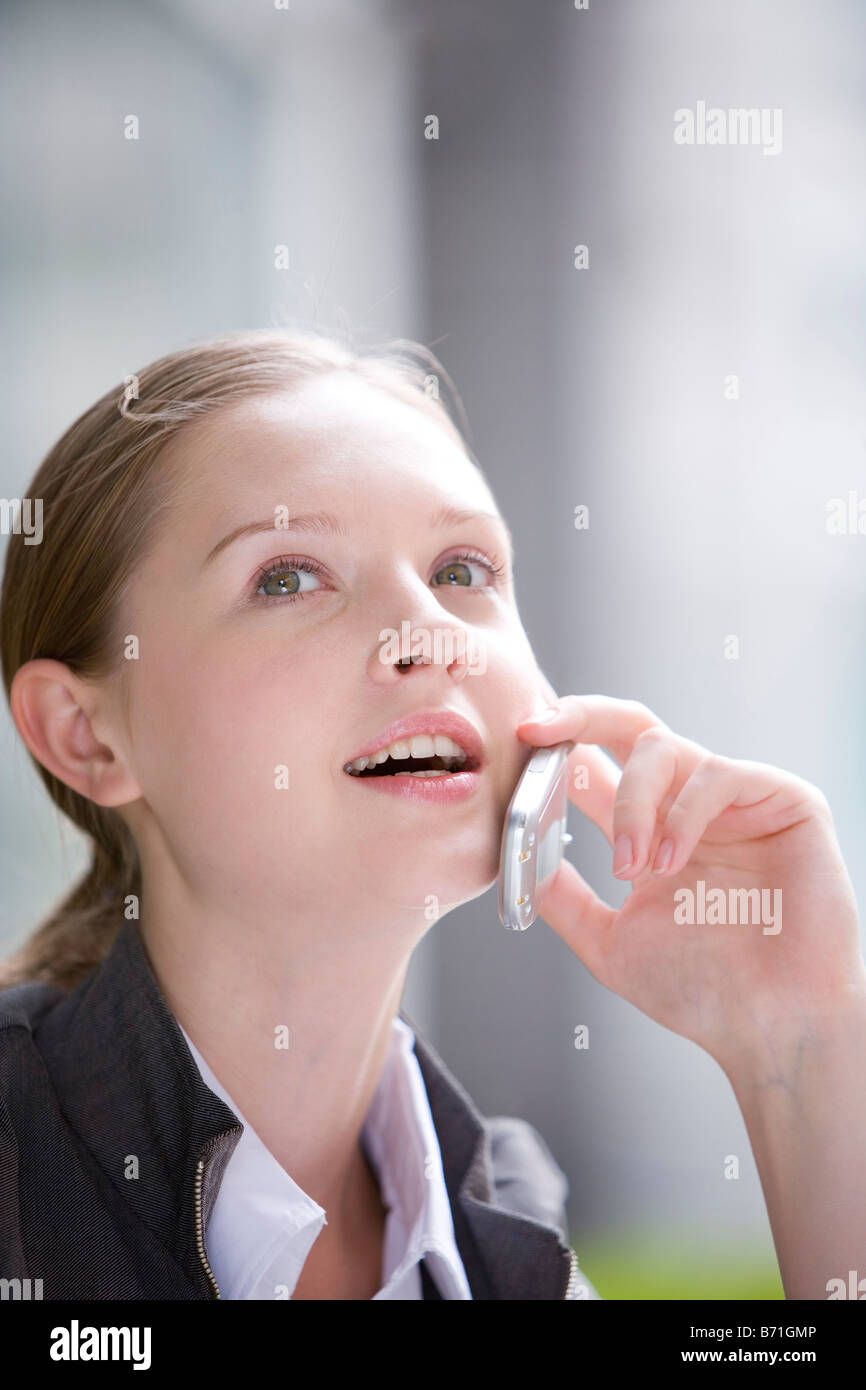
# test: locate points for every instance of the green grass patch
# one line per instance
(679, 1265)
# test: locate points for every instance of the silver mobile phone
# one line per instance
(534, 835)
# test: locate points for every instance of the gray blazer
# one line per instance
(112, 1150)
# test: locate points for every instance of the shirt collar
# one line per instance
(401, 1141)
(258, 1208)
(263, 1221)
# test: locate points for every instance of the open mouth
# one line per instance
(434, 766)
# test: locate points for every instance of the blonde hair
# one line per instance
(101, 495)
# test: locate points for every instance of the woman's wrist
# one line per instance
(802, 1091)
(784, 1052)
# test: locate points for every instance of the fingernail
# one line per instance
(622, 853)
(663, 857)
(545, 717)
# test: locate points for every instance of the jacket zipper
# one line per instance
(199, 1235)
(199, 1231)
(572, 1277)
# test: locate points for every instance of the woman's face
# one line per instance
(250, 694)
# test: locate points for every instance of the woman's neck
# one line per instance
(297, 1033)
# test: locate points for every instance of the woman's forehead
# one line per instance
(330, 442)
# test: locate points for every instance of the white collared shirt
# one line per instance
(263, 1225)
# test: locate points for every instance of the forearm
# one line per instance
(802, 1093)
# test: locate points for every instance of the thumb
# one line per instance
(579, 916)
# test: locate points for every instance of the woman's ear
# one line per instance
(67, 725)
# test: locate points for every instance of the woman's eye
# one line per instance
(458, 573)
(284, 580)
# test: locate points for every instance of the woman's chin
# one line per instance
(443, 888)
(438, 867)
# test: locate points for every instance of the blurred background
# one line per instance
(697, 384)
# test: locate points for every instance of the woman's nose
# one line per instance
(421, 632)
(400, 652)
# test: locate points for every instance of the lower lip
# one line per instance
(451, 786)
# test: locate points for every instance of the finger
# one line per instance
(659, 765)
(579, 916)
(762, 799)
(615, 724)
(593, 779)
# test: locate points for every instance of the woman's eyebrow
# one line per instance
(324, 523)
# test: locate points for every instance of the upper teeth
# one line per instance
(419, 746)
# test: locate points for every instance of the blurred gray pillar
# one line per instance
(497, 261)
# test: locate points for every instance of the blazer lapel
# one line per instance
(506, 1254)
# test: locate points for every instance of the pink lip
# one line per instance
(442, 790)
(429, 722)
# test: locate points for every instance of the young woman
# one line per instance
(223, 658)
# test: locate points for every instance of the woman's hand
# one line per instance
(792, 958)
(778, 999)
